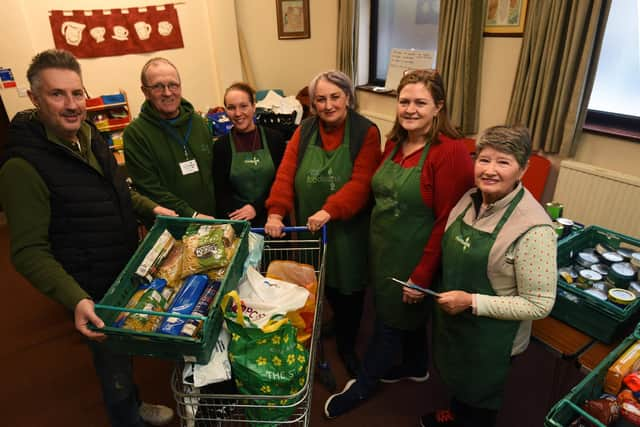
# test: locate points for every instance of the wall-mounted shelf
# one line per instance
(110, 114)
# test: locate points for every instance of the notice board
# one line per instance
(402, 60)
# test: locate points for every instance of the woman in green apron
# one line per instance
(425, 170)
(325, 178)
(499, 273)
(245, 160)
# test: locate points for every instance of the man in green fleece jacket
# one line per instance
(71, 218)
(168, 148)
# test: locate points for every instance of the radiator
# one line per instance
(597, 196)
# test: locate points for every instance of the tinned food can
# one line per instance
(554, 209)
(587, 277)
(635, 260)
(603, 248)
(635, 287)
(621, 297)
(611, 258)
(620, 274)
(625, 253)
(586, 259)
(602, 269)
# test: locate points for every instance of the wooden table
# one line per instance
(595, 354)
(560, 338)
(566, 342)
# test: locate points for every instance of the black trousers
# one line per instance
(347, 312)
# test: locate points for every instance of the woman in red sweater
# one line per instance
(425, 170)
(325, 176)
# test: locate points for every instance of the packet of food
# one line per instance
(228, 234)
(151, 300)
(192, 326)
(302, 275)
(606, 409)
(632, 381)
(231, 250)
(151, 261)
(628, 362)
(171, 266)
(203, 249)
(184, 303)
(217, 274)
(142, 288)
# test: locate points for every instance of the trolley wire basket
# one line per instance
(199, 409)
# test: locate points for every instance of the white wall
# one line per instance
(287, 64)
(26, 31)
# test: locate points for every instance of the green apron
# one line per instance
(251, 173)
(472, 353)
(400, 228)
(320, 174)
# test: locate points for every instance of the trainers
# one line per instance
(156, 415)
(341, 403)
(398, 373)
(439, 418)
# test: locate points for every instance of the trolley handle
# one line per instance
(260, 230)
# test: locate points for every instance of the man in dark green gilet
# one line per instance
(71, 218)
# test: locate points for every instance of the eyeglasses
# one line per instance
(160, 87)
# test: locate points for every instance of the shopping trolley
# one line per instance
(197, 409)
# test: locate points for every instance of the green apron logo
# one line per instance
(314, 176)
(466, 244)
(255, 161)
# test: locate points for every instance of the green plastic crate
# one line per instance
(161, 345)
(591, 387)
(602, 320)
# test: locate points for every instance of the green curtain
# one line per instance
(347, 51)
(557, 66)
(459, 59)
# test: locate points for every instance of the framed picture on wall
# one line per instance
(505, 18)
(293, 19)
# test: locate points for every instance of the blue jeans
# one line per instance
(384, 347)
(120, 394)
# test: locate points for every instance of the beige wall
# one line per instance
(499, 65)
(200, 65)
(210, 61)
(610, 153)
(287, 64)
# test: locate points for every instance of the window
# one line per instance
(614, 106)
(400, 24)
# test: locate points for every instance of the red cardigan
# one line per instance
(446, 175)
(348, 200)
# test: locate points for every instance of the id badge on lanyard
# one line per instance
(188, 167)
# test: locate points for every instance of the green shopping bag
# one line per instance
(267, 361)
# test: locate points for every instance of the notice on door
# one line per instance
(402, 60)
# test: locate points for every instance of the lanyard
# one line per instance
(176, 135)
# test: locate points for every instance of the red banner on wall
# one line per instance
(94, 33)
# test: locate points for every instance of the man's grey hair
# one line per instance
(51, 58)
(153, 61)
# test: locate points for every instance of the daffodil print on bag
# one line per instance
(265, 363)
